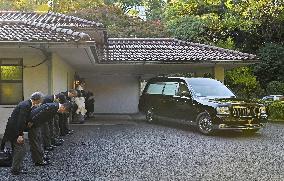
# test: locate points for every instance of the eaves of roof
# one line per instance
(49, 27)
(24, 44)
(169, 51)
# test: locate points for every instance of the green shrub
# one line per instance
(276, 110)
(243, 83)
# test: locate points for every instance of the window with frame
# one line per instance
(11, 81)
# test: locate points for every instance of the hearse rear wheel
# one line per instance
(150, 115)
(204, 123)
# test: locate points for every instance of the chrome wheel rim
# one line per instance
(149, 116)
(205, 124)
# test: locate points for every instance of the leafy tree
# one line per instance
(5, 5)
(125, 5)
(119, 24)
(188, 27)
(62, 6)
(206, 14)
(154, 9)
(23, 5)
(248, 24)
(271, 66)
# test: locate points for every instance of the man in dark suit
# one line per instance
(50, 129)
(46, 111)
(63, 118)
(90, 99)
(14, 132)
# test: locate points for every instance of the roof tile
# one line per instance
(28, 26)
(166, 50)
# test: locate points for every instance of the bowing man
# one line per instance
(14, 132)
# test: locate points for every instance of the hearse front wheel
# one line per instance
(204, 123)
(150, 115)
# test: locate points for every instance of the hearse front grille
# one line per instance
(242, 111)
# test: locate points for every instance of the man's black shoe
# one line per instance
(70, 131)
(44, 163)
(59, 139)
(58, 143)
(46, 158)
(48, 148)
(14, 172)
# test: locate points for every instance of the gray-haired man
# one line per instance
(15, 127)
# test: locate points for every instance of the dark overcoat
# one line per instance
(43, 113)
(48, 99)
(17, 121)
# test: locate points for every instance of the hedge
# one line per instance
(276, 110)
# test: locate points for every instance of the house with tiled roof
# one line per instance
(44, 51)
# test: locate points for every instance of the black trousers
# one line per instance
(63, 124)
(19, 152)
(3, 142)
(35, 144)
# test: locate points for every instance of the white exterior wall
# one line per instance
(62, 73)
(114, 94)
(5, 112)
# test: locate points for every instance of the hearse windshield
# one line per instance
(209, 88)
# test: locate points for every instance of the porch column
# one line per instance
(219, 73)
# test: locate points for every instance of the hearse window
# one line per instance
(156, 88)
(171, 88)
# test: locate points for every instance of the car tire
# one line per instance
(249, 131)
(150, 115)
(204, 123)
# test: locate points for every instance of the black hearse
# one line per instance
(203, 102)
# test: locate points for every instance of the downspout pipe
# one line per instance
(49, 71)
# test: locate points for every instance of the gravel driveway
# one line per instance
(140, 151)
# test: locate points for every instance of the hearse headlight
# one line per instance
(223, 110)
(262, 110)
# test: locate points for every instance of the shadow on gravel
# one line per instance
(276, 122)
(182, 127)
(234, 134)
(223, 133)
